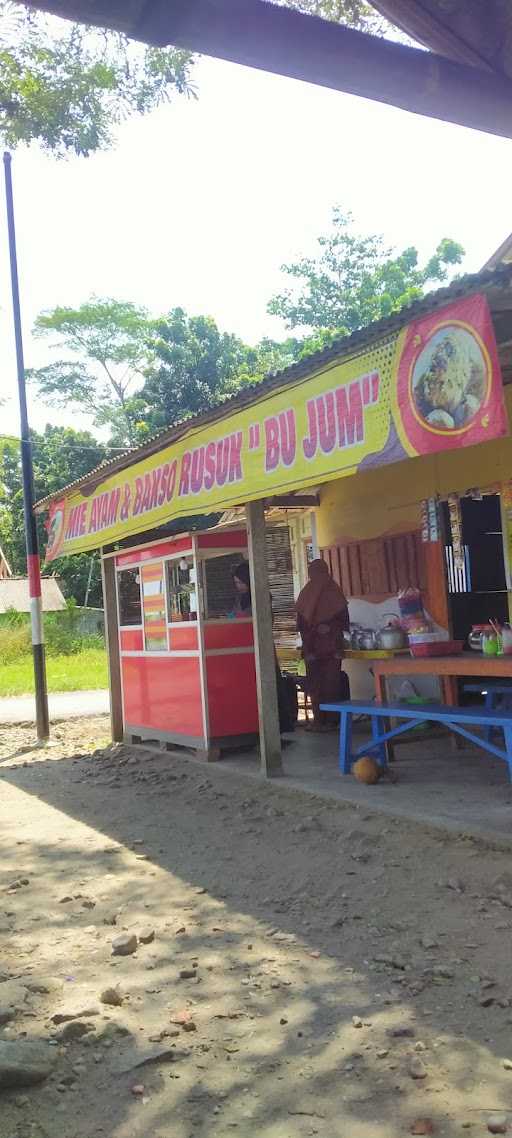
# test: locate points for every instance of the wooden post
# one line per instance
(108, 578)
(270, 736)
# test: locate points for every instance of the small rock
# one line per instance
(22, 1064)
(507, 1064)
(124, 944)
(382, 1054)
(422, 1126)
(6, 1015)
(75, 1029)
(182, 1017)
(428, 942)
(189, 1026)
(497, 1124)
(112, 996)
(65, 899)
(283, 1021)
(417, 1069)
(147, 935)
(188, 974)
(138, 1090)
(357, 1021)
(80, 1011)
(456, 884)
(13, 994)
(419, 1046)
(401, 1032)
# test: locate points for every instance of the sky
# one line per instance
(201, 202)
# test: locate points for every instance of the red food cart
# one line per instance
(186, 658)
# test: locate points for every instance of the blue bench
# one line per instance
(461, 720)
(495, 694)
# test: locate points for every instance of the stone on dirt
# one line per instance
(417, 1069)
(147, 935)
(497, 1124)
(124, 944)
(80, 1011)
(112, 996)
(24, 1063)
(75, 1029)
(422, 1126)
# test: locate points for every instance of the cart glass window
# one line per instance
(220, 596)
(181, 589)
(153, 603)
(130, 609)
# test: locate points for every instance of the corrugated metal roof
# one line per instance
(14, 594)
(252, 393)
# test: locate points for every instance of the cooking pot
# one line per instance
(391, 638)
(367, 639)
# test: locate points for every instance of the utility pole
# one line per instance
(33, 567)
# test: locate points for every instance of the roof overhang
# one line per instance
(275, 39)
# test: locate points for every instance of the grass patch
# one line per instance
(83, 671)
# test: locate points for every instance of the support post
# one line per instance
(108, 578)
(31, 538)
(264, 652)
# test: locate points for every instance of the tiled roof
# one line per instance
(252, 393)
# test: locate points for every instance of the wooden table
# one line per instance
(448, 670)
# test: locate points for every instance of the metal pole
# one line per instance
(34, 575)
(89, 579)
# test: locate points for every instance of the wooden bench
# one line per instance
(461, 720)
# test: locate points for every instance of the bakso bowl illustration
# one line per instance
(449, 379)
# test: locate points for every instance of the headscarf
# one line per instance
(243, 574)
(321, 599)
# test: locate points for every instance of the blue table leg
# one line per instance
(345, 742)
(489, 706)
(380, 754)
(508, 748)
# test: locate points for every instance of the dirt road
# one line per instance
(302, 967)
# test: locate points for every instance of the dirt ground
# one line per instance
(303, 967)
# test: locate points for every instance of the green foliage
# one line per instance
(354, 13)
(85, 671)
(194, 366)
(109, 344)
(60, 454)
(67, 86)
(61, 631)
(14, 642)
(355, 279)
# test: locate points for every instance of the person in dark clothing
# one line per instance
(322, 618)
(242, 583)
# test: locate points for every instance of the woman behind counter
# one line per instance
(322, 618)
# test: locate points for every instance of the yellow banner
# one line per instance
(435, 386)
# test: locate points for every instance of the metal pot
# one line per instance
(367, 639)
(391, 638)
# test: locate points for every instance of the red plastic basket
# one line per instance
(438, 648)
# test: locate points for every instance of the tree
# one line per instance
(67, 86)
(354, 13)
(108, 341)
(194, 366)
(356, 279)
(60, 454)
